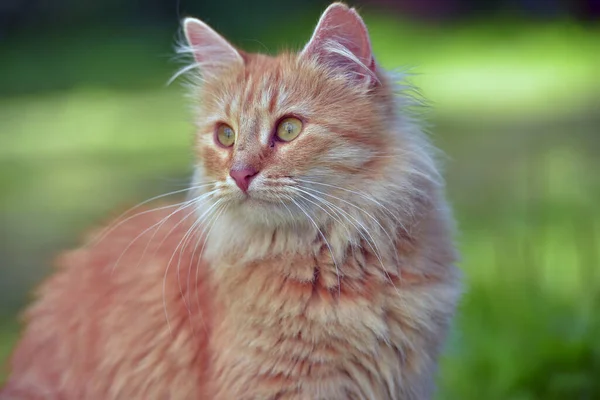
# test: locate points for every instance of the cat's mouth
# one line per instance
(253, 197)
(259, 199)
(254, 201)
(265, 190)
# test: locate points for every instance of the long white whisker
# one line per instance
(188, 235)
(164, 288)
(324, 239)
(212, 223)
(186, 205)
(208, 220)
(113, 227)
(181, 71)
(355, 192)
(195, 201)
(370, 241)
(185, 241)
(116, 224)
(392, 241)
(334, 217)
(289, 211)
(205, 217)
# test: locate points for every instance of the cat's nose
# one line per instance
(243, 176)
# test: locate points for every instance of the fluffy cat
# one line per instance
(313, 258)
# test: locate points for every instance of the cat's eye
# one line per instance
(289, 129)
(225, 135)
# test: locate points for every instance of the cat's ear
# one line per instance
(211, 51)
(341, 40)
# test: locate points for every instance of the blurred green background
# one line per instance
(88, 124)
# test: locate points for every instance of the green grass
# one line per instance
(515, 111)
(501, 66)
(8, 337)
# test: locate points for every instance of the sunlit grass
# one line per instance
(527, 327)
(8, 337)
(92, 120)
(500, 67)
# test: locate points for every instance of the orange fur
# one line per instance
(332, 278)
(100, 332)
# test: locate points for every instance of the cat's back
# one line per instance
(126, 317)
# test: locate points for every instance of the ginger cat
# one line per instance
(312, 259)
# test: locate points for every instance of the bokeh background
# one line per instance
(88, 124)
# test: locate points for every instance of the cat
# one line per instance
(313, 258)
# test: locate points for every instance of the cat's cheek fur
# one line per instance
(215, 160)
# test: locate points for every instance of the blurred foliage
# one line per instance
(87, 127)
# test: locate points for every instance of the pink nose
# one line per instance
(243, 176)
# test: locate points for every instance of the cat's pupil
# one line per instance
(288, 128)
(228, 133)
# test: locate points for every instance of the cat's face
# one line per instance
(277, 135)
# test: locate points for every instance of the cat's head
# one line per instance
(280, 138)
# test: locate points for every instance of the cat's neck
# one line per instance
(234, 244)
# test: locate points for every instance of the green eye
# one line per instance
(289, 129)
(225, 135)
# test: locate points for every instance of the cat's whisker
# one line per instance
(194, 225)
(214, 222)
(195, 201)
(396, 153)
(375, 248)
(157, 226)
(118, 223)
(167, 270)
(334, 217)
(342, 212)
(334, 46)
(164, 288)
(185, 205)
(293, 219)
(355, 192)
(110, 229)
(370, 242)
(361, 194)
(185, 240)
(188, 282)
(392, 241)
(182, 71)
(203, 220)
(337, 271)
(436, 180)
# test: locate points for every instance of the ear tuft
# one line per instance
(210, 50)
(341, 40)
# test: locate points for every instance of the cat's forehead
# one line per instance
(272, 84)
(257, 63)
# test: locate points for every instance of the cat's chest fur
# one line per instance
(301, 326)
